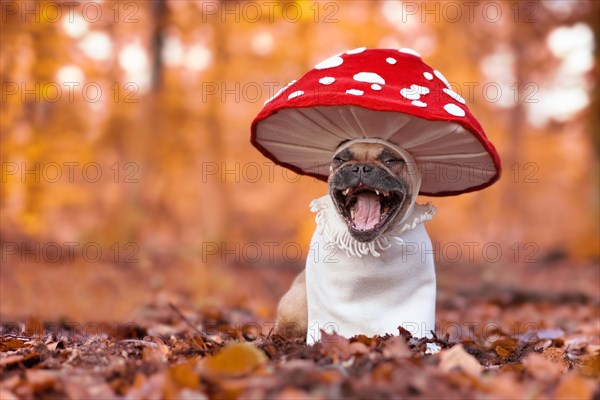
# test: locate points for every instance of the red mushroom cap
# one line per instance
(378, 93)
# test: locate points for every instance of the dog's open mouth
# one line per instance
(366, 209)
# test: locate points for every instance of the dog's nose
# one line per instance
(362, 169)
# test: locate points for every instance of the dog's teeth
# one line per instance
(377, 191)
(352, 214)
(346, 192)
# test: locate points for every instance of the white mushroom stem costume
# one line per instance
(375, 95)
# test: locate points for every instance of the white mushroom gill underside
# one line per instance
(306, 138)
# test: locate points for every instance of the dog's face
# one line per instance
(371, 188)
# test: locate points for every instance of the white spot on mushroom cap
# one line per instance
(295, 94)
(419, 89)
(428, 76)
(369, 77)
(375, 86)
(391, 60)
(455, 110)
(414, 92)
(419, 103)
(409, 51)
(454, 95)
(327, 80)
(410, 94)
(331, 62)
(356, 51)
(355, 92)
(442, 78)
(281, 90)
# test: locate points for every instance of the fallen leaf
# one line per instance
(383, 372)
(367, 340)
(358, 348)
(457, 357)
(184, 375)
(541, 367)
(503, 352)
(40, 379)
(396, 347)
(590, 365)
(10, 360)
(291, 393)
(28, 360)
(574, 386)
(6, 395)
(335, 346)
(235, 359)
(557, 356)
(10, 344)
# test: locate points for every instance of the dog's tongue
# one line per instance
(367, 211)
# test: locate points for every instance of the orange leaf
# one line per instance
(541, 367)
(457, 357)
(235, 359)
(11, 344)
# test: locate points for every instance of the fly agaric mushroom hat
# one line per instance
(385, 94)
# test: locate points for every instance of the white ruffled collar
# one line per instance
(334, 229)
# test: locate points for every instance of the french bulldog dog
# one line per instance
(370, 265)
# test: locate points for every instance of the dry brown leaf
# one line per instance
(367, 340)
(10, 360)
(40, 379)
(151, 387)
(291, 393)
(541, 367)
(590, 365)
(10, 383)
(6, 395)
(184, 375)
(396, 347)
(503, 352)
(383, 372)
(235, 359)
(557, 356)
(335, 346)
(230, 389)
(358, 348)
(10, 344)
(27, 360)
(85, 386)
(457, 357)
(574, 386)
(330, 376)
(504, 386)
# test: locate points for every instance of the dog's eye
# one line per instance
(338, 159)
(392, 161)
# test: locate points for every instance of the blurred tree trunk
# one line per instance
(214, 128)
(159, 13)
(593, 19)
(516, 128)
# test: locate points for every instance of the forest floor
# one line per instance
(528, 331)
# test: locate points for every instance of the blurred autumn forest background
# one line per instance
(128, 176)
